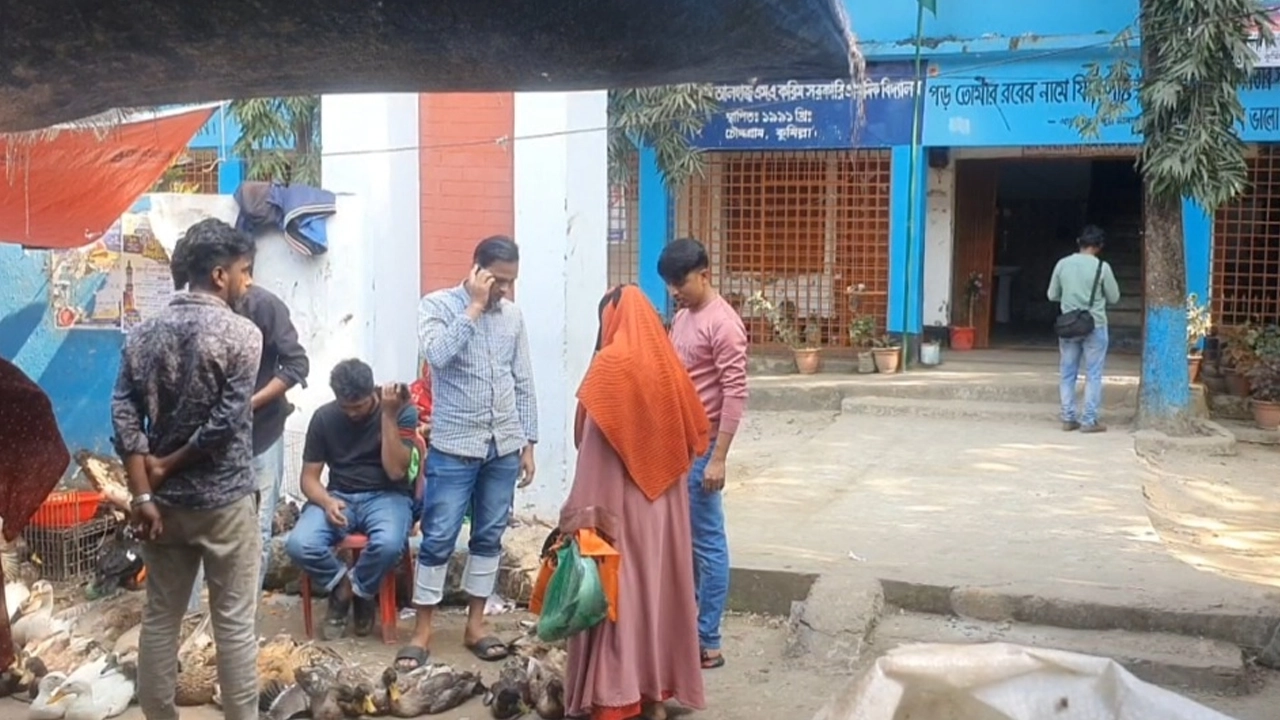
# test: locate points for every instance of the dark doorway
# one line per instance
(1041, 205)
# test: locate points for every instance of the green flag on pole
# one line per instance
(930, 5)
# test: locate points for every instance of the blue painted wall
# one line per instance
(988, 26)
(77, 368)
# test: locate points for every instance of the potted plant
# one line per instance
(1264, 379)
(806, 351)
(1198, 326)
(1238, 356)
(887, 353)
(862, 329)
(963, 336)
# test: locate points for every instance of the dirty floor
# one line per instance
(1018, 505)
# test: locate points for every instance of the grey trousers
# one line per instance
(227, 542)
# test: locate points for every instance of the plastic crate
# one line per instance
(67, 509)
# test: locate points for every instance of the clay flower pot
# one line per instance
(866, 362)
(808, 360)
(1193, 368)
(962, 338)
(1266, 415)
(887, 359)
(1237, 384)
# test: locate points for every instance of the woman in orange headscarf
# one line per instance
(639, 426)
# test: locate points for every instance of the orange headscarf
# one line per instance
(640, 395)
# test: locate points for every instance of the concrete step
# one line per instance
(972, 409)
(1163, 659)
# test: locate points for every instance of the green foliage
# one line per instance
(280, 138)
(1195, 58)
(663, 118)
(1264, 374)
(1199, 322)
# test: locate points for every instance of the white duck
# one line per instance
(36, 620)
(105, 697)
(15, 596)
(41, 708)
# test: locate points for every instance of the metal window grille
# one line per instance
(624, 229)
(801, 228)
(196, 172)
(1246, 247)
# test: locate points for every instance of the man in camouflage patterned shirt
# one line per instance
(184, 427)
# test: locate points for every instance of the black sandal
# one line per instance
(364, 613)
(335, 625)
(711, 662)
(489, 649)
(417, 656)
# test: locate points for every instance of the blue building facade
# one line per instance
(212, 165)
(813, 189)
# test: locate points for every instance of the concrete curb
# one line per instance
(1247, 631)
(969, 410)
(1217, 442)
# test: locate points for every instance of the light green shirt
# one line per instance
(1073, 281)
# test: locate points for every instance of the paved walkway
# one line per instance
(1019, 506)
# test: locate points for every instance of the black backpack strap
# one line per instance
(1097, 276)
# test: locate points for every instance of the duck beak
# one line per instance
(370, 708)
(57, 696)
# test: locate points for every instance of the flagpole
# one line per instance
(913, 190)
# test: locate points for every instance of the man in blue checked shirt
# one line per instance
(484, 425)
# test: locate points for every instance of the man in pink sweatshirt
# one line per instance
(711, 340)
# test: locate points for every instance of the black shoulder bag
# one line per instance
(1079, 323)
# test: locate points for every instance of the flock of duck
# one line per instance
(80, 663)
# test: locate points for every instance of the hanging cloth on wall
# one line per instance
(300, 211)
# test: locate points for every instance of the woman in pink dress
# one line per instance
(639, 426)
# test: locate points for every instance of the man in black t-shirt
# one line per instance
(365, 438)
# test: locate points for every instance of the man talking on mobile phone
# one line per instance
(483, 429)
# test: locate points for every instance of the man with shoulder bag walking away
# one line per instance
(1083, 285)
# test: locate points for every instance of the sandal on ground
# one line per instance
(711, 662)
(335, 624)
(411, 657)
(489, 649)
(365, 611)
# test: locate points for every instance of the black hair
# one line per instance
(351, 380)
(681, 257)
(1091, 236)
(178, 260)
(206, 245)
(495, 249)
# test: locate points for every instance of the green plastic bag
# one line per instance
(575, 599)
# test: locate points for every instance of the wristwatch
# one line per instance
(142, 499)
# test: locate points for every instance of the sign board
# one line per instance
(815, 115)
(1267, 55)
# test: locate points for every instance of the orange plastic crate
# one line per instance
(67, 509)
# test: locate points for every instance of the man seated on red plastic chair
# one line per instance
(369, 439)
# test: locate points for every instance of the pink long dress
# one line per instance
(651, 652)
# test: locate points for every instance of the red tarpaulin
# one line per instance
(65, 189)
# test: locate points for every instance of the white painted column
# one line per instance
(561, 225)
(370, 143)
(939, 244)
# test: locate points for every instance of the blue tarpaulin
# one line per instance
(64, 59)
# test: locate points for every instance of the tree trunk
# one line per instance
(1164, 402)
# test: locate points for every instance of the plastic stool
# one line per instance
(386, 591)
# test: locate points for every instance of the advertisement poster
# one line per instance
(83, 292)
(142, 272)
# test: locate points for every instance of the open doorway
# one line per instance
(1038, 208)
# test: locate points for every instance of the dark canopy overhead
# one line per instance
(65, 59)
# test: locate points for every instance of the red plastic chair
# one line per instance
(386, 591)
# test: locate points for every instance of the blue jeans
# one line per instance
(1092, 348)
(384, 517)
(268, 468)
(710, 554)
(455, 484)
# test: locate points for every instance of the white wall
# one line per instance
(561, 222)
(939, 245)
(370, 149)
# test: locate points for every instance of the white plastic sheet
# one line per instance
(999, 681)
